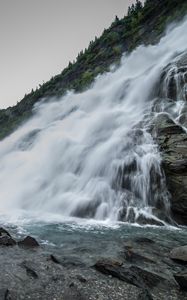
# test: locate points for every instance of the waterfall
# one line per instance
(90, 155)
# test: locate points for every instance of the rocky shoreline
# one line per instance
(142, 269)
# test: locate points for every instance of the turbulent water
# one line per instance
(90, 155)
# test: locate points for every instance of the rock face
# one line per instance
(171, 136)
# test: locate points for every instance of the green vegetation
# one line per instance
(144, 24)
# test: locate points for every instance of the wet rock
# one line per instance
(142, 220)
(171, 137)
(132, 256)
(183, 119)
(28, 242)
(131, 274)
(4, 232)
(7, 241)
(54, 259)
(172, 141)
(181, 279)
(174, 79)
(5, 238)
(116, 270)
(143, 240)
(149, 278)
(145, 295)
(179, 254)
(164, 126)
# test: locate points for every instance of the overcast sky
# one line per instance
(39, 37)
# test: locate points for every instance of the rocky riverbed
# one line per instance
(113, 264)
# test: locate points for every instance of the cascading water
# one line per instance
(90, 155)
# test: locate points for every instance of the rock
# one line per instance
(145, 295)
(179, 254)
(172, 141)
(181, 279)
(115, 269)
(183, 119)
(7, 241)
(143, 240)
(5, 238)
(4, 232)
(132, 274)
(173, 72)
(5, 294)
(81, 279)
(132, 256)
(142, 220)
(28, 242)
(54, 259)
(171, 137)
(149, 278)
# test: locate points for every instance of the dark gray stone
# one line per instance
(179, 254)
(181, 279)
(6, 240)
(28, 242)
(131, 274)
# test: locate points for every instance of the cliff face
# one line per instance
(143, 26)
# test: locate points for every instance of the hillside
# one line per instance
(142, 25)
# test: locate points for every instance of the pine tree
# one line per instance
(138, 6)
(129, 11)
(116, 19)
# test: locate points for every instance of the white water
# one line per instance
(84, 156)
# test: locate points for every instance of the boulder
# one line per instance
(28, 242)
(179, 254)
(4, 232)
(132, 274)
(5, 238)
(7, 241)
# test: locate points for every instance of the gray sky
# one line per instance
(39, 37)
